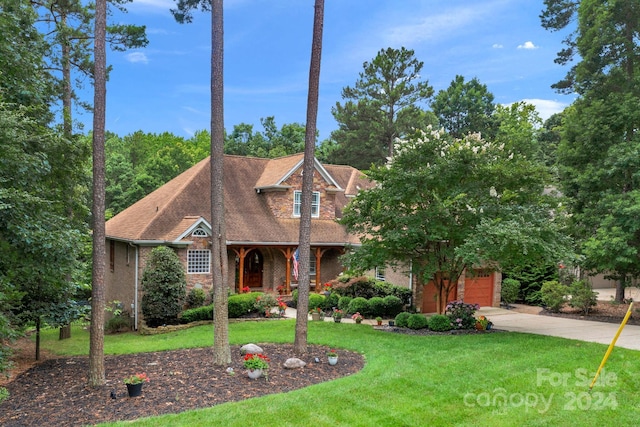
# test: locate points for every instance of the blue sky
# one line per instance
(165, 86)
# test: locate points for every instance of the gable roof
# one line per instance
(168, 213)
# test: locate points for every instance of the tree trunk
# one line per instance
(38, 338)
(300, 343)
(65, 332)
(620, 286)
(96, 340)
(221, 349)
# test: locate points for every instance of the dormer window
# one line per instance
(315, 204)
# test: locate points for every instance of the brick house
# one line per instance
(262, 208)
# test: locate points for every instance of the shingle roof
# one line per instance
(170, 210)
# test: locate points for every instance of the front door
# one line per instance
(253, 269)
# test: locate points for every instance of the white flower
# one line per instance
(493, 192)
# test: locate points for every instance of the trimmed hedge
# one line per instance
(439, 323)
(197, 314)
(343, 303)
(417, 321)
(392, 305)
(377, 306)
(316, 300)
(241, 304)
(359, 305)
(401, 319)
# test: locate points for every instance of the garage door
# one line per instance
(478, 288)
(429, 300)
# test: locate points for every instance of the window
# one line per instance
(380, 274)
(312, 266)
(112, 255)
(198, 261)
(315, 203)
(199, 232)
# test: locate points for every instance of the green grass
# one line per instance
(500, 379)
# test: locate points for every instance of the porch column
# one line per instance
(242, 253)
(288, 253)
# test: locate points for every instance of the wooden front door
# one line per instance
(253, 265)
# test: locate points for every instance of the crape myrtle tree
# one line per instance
(384, 104)
(165, 287)
(598, 159)
(443, 205)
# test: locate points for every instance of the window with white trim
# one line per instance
(198, 261)
(315, 203)
(199, 232)
(380, 274)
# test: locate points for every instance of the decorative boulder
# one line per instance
(294, 363)
(250, 348)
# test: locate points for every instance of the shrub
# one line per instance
(197, 314)
(242, 304)
(264, 303)
(120, 323)
(331, 301)
(165, 287)
(392, 305)
(196, 298)
(401, 319)
(316, 300)
(554, 295)
(439, 323)
(360, 286)
(4, 394)
(461, 314)
(359, 305)
(384, 289)
(294, 299)
(343, 303)
(582, 296)
(509, 291)
(417, 321)
(377, 306)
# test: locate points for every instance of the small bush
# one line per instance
(554, 295)
(401, 319)
(510, 290)
(316, 300)
(384, 289)
(165, 287)
(461, 314)
(439, 323)
(359, 305)
(343, 303)
(264, 303)
(417, 321)
(197, 314)
(392, 305)
(118, 324)
(4, 394)
(242, 304)
(196, 298)
(377, 306)
(331, 301)
(582, 296)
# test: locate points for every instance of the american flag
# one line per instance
(296, 255)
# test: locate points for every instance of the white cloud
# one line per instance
(137, 57)
(527, 45)
(497, 46)
(546, 107)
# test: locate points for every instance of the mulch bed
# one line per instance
(54, 392)
(604, 311)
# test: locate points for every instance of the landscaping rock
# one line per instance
(294, 363)
(251, 348)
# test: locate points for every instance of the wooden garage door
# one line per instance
(429, 301)
(478, 288)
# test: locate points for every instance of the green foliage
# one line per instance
(343, 303)
(554, 295)
(316, 300)
(4, 394)
(417, 321)
(271, 143)
(242, 304)
(401, 319)
(119, 323)
(582, 296)
(264, 303)
(331, 301)
(461, 314)
(196, 297)
(359, 305)
(509, 290)
(384, 289)
(392, 305)
(531, 278)
(377, 306)
(439, 323)
(197, 314)
(165, 287)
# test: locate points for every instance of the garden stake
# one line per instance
(613, 343)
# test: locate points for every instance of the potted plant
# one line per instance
(134, 384)
(327, 289)
(332, 356)
(379, 320)
(482, 323)
(255, 364)
(337, 315)
(357, 317)
(316, 313)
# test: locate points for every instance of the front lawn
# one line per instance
(496, 379)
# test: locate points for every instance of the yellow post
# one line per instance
(613, 343)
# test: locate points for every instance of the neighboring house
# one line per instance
(262, 209)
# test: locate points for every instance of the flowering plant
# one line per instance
(337, 314)
(256, 361)
(282, 306)
(246, 289)
(483, 321)
(280, 289)
(315, 310)
(332, 353)
(327, 287)
(357, 317)
(136, 379)
(461, 314)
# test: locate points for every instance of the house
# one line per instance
(262, 208)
